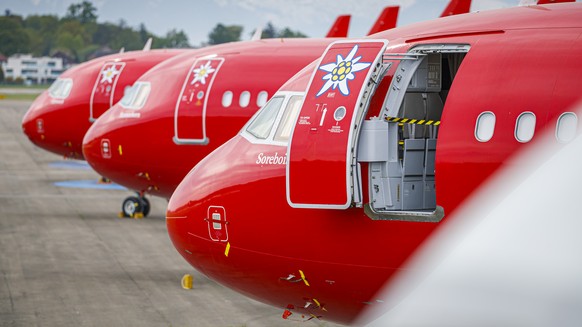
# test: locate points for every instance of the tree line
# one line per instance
(80, 37)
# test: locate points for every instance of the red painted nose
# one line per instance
(101, 149)
(55, 127)
(33, 124)
(108, 146)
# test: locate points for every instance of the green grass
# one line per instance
(21, 92)
(13, 96)
(20, 87)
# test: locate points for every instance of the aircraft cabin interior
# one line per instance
(401, 147)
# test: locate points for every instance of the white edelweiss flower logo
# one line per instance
(108, 74)
(341, 72)
(201, 73)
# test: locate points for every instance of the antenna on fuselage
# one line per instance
(257, 34)
(148, 45)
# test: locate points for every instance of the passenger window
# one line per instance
(566, 127)
(525, 127)
(288, 119)
(485, 126)
(227, 99)
(261, 126)
(245, 99)
(262, 98)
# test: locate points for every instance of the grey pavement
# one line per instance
(67, 260)
(15, 90)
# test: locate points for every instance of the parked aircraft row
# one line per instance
(316, 161)
(59, 119)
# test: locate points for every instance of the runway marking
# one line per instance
(82, 165)
(53, 196)
(89, 184)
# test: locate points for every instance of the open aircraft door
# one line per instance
(104, 89)
(321, 168)
(190, 113)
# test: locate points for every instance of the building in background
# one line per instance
(31, 69)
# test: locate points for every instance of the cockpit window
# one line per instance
(136, 96)
(261, 126)
(61, 88)
(289, 118)
(128, 95)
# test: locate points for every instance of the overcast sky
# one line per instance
(198, 17)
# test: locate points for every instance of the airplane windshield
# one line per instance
(61, 88)
(128, 95)
(263, 123)
(136, 96)
(289, 118)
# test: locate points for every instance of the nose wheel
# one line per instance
(135, 207)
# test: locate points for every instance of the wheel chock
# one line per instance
(187, 281)
(138, 215)
(121, 215)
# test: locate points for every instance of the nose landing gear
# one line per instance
(135, 207)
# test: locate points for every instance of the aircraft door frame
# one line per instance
(323, 141)
(402, 162)
(194, 95)
(108, 76)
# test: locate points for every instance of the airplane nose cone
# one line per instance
(33, 122)
(187, 232)
(109, 147)
(54, 127)
(135, 149)
(98, 148)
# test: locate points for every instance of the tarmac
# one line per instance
(12, 90)
(66, 259)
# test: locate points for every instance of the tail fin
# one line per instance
(340, 27)
(456, 7)
(148, 45)
(386, 20)
(545, 2)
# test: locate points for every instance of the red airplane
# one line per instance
(330, 188)
(59, 117)
(166, 125)
(528, 274)
(186, 107)
(226, 104)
